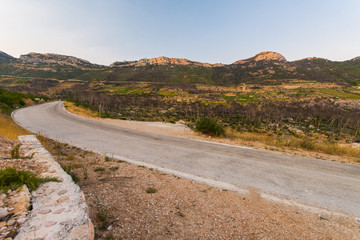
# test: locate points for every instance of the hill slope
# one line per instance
(4, 57)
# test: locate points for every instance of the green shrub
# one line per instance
(114, 168)
(151, 190)
(11, 100)
(210, 127)
(11, 178)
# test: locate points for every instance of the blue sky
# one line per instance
(202, 30)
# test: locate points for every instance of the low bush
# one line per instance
(210, 127)
(151, 190)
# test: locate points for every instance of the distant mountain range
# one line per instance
(264, 68)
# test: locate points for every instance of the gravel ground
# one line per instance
(132, 202)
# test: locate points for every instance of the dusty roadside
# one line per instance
(132, 202)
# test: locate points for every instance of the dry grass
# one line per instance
(336, 149)
(294, 143)
(71, 107)
(9, 129)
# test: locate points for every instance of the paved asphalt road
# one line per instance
(331, 185)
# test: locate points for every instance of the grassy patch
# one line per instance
(9, 129)
(80, 110)
(241, 97)
(167, 93)
(336, 93)
(124, 90)
(293, 142)
(11, 178)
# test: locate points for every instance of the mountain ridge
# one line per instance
(266, 67)
(53, 58)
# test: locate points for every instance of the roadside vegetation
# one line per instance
(210, 127)
(12, 179)
(9, 129)
(10, 101)
(300, 115)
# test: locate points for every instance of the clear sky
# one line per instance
(212, 31)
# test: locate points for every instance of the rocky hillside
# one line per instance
(164, 61)
(47, 65)
(264, 68)
(4, 57)
(50, 58)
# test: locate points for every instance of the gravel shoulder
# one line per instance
(143, 203)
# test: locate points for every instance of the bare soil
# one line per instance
(132, 202)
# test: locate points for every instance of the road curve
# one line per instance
(330, 185)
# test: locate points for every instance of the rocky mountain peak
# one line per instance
(269, 56)
(51, 58)
(164, 61)
(264, 56)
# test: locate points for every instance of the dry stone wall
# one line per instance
(59, 210)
